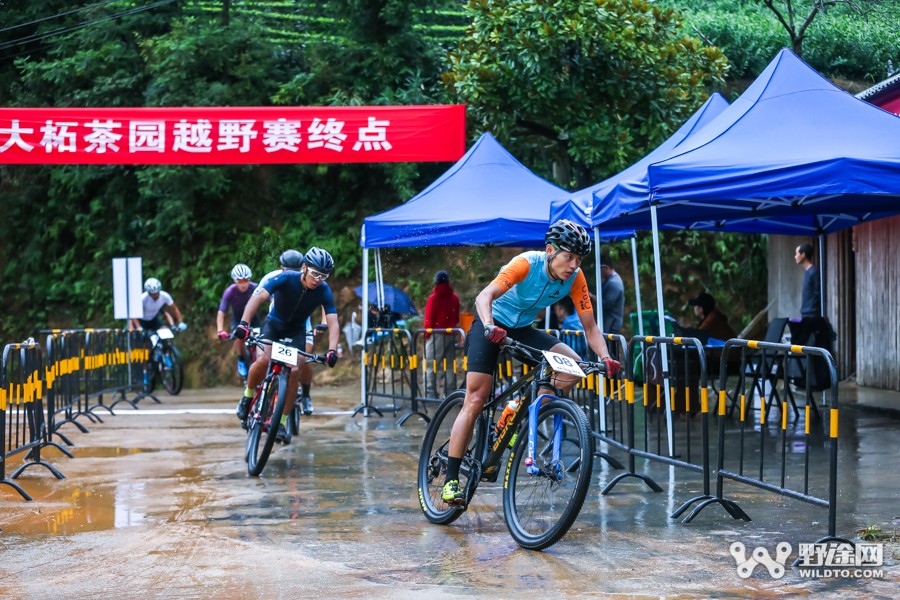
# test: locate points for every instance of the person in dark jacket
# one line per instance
(441, 312)
(712, 321)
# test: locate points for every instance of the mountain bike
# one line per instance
(551, 447)
(267, 405)
(165, 362)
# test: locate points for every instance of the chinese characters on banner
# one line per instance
(232, 135)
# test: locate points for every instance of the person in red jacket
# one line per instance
(441, 312)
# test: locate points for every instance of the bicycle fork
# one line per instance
(556, 440)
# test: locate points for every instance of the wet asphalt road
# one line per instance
(157, 503)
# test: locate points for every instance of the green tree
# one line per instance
(589, 86)
(797, 15)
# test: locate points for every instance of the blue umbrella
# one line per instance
(396, 299)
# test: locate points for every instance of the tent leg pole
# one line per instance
(662, 327)
(637, 286)
(365, 327)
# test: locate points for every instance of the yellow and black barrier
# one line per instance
(440, 361)
(24, 429)
(673, 390)
(62, 372)
(602, 399)
(389, 358)
(777, 464)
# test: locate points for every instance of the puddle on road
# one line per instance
(76, 510)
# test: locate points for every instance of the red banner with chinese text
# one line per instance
(232, 135)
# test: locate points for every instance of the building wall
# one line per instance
(878, 303)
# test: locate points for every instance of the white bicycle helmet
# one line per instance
(152, 286)
(241, 271)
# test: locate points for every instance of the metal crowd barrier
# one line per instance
(389, 358)
(441, 363)
(602, 401)
(22, 412)
(686, 377)
(774, 474)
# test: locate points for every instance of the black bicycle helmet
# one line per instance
(569, 236)
(319, 260)
(291, 260)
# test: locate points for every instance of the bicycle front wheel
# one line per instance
(265, 416)
(433, 460)
(540, 505)
(172, 370)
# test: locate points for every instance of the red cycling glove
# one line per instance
(494, 334)
(612, 367)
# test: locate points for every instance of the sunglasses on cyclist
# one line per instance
(317, 275)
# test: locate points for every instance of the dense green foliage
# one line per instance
(853, 41)
(577, 90)
(557, 77)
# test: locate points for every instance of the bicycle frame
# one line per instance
(490, 459)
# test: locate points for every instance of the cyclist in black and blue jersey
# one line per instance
(529, 283)
(299, 290)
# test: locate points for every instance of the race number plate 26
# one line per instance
(284, 354)
(165, 333)
(563, 364)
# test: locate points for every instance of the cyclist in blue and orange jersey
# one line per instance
(156, 301)
(298, 291)
(530, 282)
(236, 297)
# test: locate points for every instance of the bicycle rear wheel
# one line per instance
(172, 370)
(540, 508)
(433, 460)
(264, 418)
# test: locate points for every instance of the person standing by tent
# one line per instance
(811, 300)
(507, 306)
(613, 294)
(441, 312)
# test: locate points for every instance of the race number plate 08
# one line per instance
(284, 354)
(165, 333)
(563, 364)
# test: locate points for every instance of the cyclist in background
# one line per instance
(530, 282)
(155, 301)
(235, 297)
(298, 291)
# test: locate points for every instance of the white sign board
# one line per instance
(127, 288)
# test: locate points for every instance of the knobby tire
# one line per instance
(539, 509)
(433, 460)
(261, 437)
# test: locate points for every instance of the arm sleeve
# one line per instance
(328, 302)
(513, 273)
(580, 295)
(223, 305)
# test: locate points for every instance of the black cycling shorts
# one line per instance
(274, 331)
(483, 354)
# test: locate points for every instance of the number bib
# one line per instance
(284, 354)
(563, 364)
(165, 333)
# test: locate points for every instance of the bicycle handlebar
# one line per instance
(586, 365)
(255, 340)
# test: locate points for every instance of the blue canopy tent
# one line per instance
(488, 198)
(792, 144)
(579, 205)
(793, 154)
